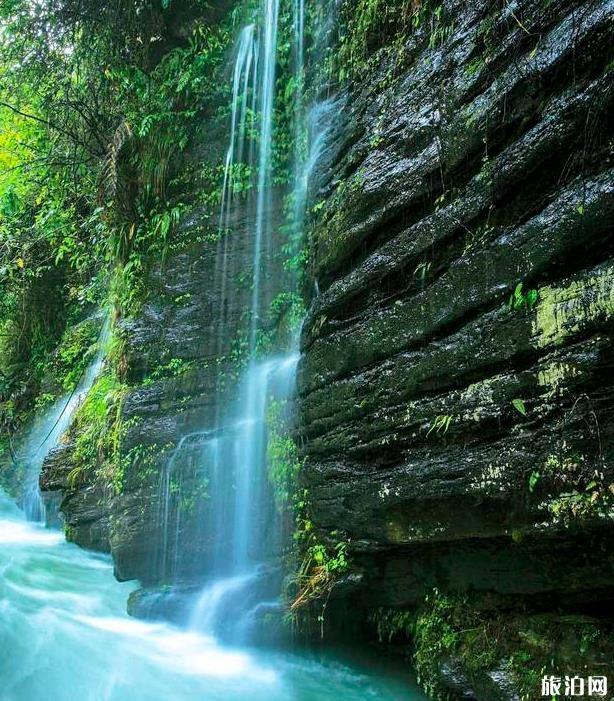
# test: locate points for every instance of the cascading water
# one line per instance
(241, 505)
(243, 108)
(230, 457)
(241, 500)
(65, 636)
(48, 429)
(262, 228)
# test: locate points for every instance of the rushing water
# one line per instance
(241, 506)
(243, 110)
(270, 13)
(65, 636)
(48, 429)
(228, 458)
(239, 526)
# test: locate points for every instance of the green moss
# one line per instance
(475, 635)
(282, 455)
(97, 428)
(569, 489)
(565, 311)
(553, 376)
(377, 28)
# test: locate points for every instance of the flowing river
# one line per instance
(65, 636)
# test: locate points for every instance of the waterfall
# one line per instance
(242, 508)
(239, 523)
(263, 205)
(48, 429)
(299, 118)
(244, 93)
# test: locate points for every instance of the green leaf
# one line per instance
(518, 404)
(533, 480)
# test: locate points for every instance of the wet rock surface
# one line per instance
(456, 366)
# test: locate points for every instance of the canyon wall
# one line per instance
(455, 385)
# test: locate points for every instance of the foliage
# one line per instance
(282, 324)
(571, 489)
(97, 430)
(441, 424)
(472, 633)
(392, 623)
(374, 29)
(321, 564)
(173, 368)
(98, 102)
(282, 454)
(75, 351)
(520, 300)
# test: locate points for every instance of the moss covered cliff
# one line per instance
(455, 397)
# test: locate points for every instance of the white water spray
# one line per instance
(240, 522)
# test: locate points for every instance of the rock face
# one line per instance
(85, 508)
(183, 357)
(456, 374)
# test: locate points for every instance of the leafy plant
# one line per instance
(441, 424)
(520, 300)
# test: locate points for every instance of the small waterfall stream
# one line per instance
(47, 429)
(230, 457)
(262, 227)
(241, 506)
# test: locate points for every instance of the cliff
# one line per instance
(455, 383)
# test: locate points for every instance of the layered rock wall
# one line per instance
(455, 385)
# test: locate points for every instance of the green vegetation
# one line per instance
(285, 314)
(472, 634)
(282, 455)
(97, 429)
(98, 105)
(571, 490)
(375, 30)
(75, 351)
(441, 424)
(521, 300)
(320, 566)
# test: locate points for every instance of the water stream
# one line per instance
(48, 428)
(65, 636)
(228, 459)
